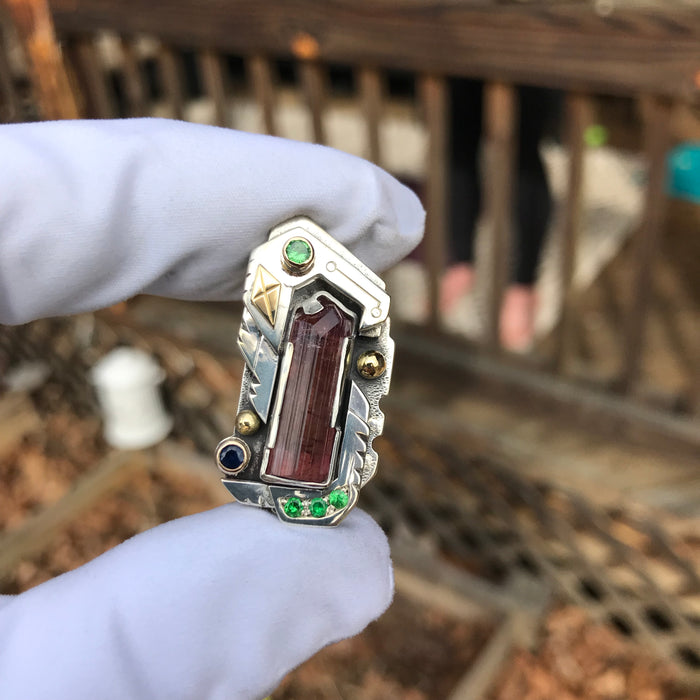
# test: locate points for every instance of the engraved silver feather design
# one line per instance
(262, 361)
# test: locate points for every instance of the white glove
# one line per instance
(220, 605)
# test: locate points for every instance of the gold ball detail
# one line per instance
(247, 423)
(371, 364)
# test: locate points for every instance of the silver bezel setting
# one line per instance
(337, 274)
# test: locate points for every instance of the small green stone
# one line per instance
(293, 507)
(298, 251)
(318, 507)
(338, 498)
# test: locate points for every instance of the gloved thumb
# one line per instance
(219, 605)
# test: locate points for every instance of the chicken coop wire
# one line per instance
(620, 564)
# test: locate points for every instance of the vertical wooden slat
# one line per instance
(171, 75)
(371, 99)
(657, 137)
(313, 85)
(34, 25)
(133, 81)
(435, 98)
(86, 61)
(260, 74)
(9, 102)
(214, 84)
(500, 107)
(578, 110)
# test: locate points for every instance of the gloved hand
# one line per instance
(220, 605)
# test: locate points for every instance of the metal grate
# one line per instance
(619, 565)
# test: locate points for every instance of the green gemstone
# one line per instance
(318, 507)
(338, 498)
(298, 251)
(293, 507)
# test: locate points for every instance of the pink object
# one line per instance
(304, 445)
(517, 319)
(458, 281)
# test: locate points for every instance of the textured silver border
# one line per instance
(335, 273)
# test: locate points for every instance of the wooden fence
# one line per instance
(644, 50)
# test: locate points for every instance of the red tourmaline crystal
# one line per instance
(304, 445)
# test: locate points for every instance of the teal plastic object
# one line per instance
(684, 172)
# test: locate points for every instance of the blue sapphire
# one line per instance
(232, 456)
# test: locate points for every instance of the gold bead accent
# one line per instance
(247, 423)
(371, 364)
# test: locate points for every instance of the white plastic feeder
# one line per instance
(128, 381)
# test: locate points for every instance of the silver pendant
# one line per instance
(315, 338)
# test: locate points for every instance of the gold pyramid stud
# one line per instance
(265, 293)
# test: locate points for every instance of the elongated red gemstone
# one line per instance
(304, 446)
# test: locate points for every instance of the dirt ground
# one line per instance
(579, 659)
(575, 659)
(413, 652)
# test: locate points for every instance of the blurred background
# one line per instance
(540, 473)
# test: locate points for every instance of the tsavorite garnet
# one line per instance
(318, 507)
(298, 251)
(305, 437)
(338, 499)
(293, 507)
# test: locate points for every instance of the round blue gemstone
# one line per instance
(231, 456)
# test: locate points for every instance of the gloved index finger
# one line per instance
(93, 212)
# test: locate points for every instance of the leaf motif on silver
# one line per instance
(262, 361)
(355, 436)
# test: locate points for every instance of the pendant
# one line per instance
(315, 339)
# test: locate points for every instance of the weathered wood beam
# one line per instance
(649, 48)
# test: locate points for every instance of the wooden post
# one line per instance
(260, 74)
(32, 19)
(214, 84)
(97, 102)
(313, 85)
(657, 135)
(133, 81)
(578, 110)
(171, 75)
(371, 98)
(499, 124)
(435, 104)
